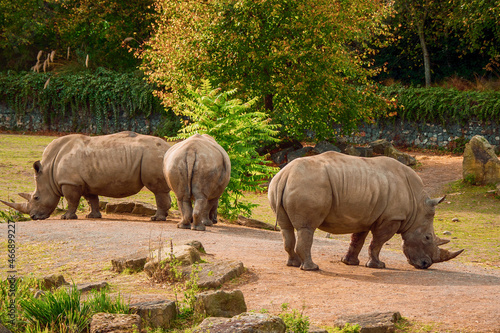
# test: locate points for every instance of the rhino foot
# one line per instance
(181, 225)
(208, 223)
(198, 227)
(94, 215)
(293, 262)
(69, 216)
(375, 264)
(350, 261)
(309, 267)
(159, 218)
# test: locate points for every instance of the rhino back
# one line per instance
(197, 165)
(346, 194)
(109, 165)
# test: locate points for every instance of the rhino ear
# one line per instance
(435, 202)
(37, 166)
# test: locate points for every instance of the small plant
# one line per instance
(348, 328)
(295, 322)
(12, 215)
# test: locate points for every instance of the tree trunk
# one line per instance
(268, 102)
(427, 60)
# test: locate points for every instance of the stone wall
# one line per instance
(426, 135)
(402, 133)
(82, 123)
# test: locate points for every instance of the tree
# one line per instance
(300, 56)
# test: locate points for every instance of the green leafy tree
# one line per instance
(300, 57)
(239, 130)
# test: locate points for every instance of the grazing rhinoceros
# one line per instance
(343, 194)
(197, 169)
(116, 165)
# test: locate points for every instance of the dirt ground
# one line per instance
(451, 297)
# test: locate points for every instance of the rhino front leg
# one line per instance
(72, 195)
(303, 248)
(381, 234)
(357, 242)
(93, 201)
(163, 204)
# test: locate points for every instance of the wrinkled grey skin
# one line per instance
(116, 165)
(343, 194)
(197, 169)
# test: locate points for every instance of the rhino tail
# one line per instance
(190, 162)
(280, 189)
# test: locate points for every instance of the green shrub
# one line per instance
(101, 95)
(442, 105)
(239, 130)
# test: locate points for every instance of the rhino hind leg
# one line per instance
(72, 195)
(212, 215)
(187, 214)
(93, 201)
(305, 237)
(200, 214)
(163, 204)
(357, 242)
(289, 243)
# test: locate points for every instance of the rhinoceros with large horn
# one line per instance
(343, 194)
(197, 169)
(116, 165)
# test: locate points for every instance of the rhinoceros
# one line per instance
(116, 165)
(343, 194)
(197, 169)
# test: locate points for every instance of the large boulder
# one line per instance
(247, 322)
(324, 146)
(384, 147)
(220, 303)
(156, 314)
(480, 164)
(215, 274)
(52, 281)
(115, 323)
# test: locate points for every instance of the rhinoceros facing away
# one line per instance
(343, 194)
(197, 169)
(116, 165)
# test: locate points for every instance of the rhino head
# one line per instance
(42, 202)
(420, 243)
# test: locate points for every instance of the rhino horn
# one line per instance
(440, 241)
(26, 196)
(22, 207)
(445, 255)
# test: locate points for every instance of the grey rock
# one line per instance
(156, 314)
(115, 323)
(144, 209)
(245, 323)
(298, 153)
(252, 223)
(134, 262)
(480, 164)
(53, 281)
(350, 150)
(376, 322)
(448, 233)
(365, 151)
(325, 146)
(379, 146)
(196, 244)
(84, 287)
(280, 156)
(120, 207)
(215, 274)
(404, 158)
(4, 329)
(315, 329)
(185, 254)
(220, 303)
(455, 219)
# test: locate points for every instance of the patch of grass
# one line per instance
(478, 227)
